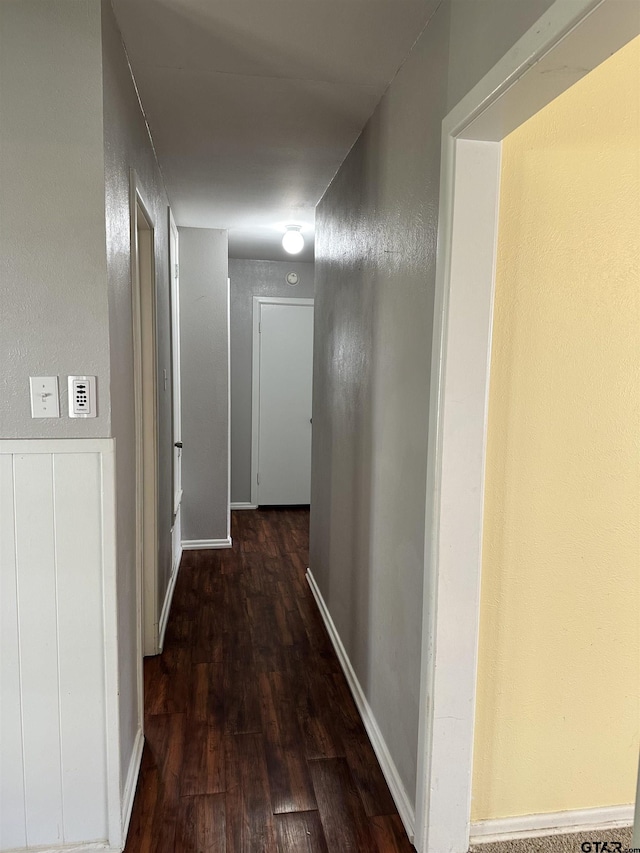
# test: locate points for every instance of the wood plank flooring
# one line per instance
(253, 742)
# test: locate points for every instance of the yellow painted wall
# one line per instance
(558, 708)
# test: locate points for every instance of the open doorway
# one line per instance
(146, 426)
(561, 530)
(567, 42)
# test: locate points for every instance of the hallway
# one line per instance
(253, 742)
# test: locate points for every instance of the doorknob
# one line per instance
(178, 444)
(310, 420)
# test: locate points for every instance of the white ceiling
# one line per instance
(253, 104)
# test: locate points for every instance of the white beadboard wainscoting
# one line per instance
(59, 767)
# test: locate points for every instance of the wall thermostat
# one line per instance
(292, 278)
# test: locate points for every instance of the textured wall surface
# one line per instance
(374, 241)
(204, 329)
(249, 279)
(558, 704)
(127, 146)
(376, 231)
(53, 301)
(480, 34)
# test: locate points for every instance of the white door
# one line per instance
(284, 417)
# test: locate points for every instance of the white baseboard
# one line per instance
(244, 505)
(398, 792)
(129, 793)
(166, 607)
(553, 823)
(204, 544)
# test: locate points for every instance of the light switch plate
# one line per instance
(83, 402)
(45, 402)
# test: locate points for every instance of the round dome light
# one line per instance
(293, 241)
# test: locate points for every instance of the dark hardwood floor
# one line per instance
(253, 742)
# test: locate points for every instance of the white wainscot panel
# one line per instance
(59, 784)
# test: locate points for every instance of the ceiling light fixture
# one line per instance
(293, 241)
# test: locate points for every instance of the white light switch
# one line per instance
(82, 397)
(45, 402)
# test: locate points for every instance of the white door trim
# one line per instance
(258, 301)
(176, 401)
(176, 426)
(569, 40)
(146, 516)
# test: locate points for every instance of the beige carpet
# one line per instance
(558, 843)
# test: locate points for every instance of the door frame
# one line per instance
(569, 40)
(176, 381)
(258, 302)
(176, 422)
(146, 477)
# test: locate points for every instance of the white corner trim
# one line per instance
(553, 823)
(381, 750)
(129, 793)
(229, 408)
(205, 544)
(244, 505)
(112, 672)
(98, 847)
(166, 607)
(255, 399)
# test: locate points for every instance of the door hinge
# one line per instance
(176, 272)
(259, 328)
(258, 479)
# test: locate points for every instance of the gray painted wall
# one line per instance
(53, 298)
(249, 279)
(127, 146)
(376, 231)
(204, 331)
(65, 298)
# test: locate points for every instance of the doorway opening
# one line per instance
(146, 422)
(565, 44)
